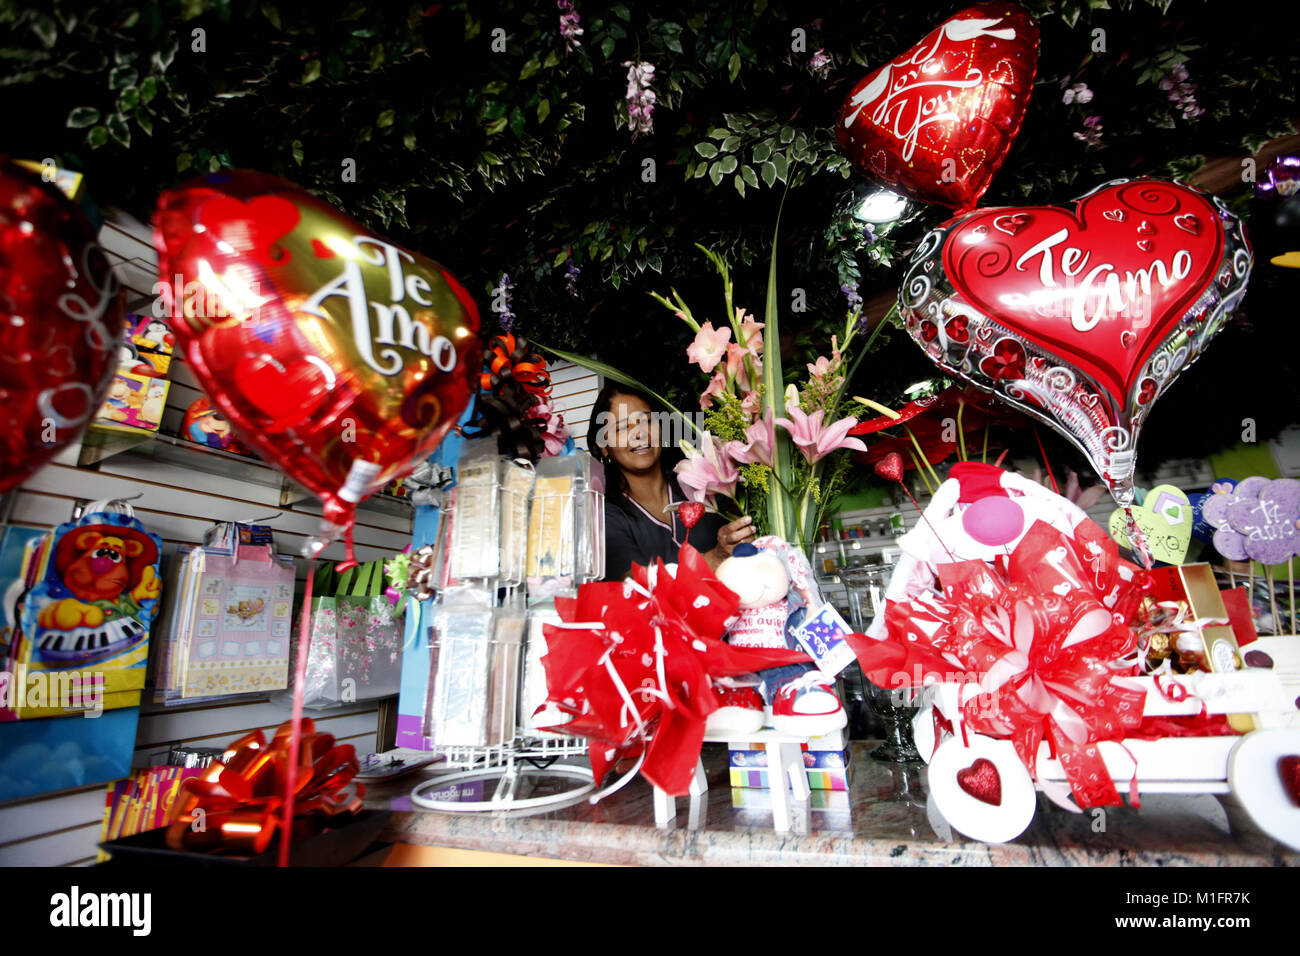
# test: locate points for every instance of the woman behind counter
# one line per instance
(640, 484)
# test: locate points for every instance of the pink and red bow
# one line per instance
(633, 666)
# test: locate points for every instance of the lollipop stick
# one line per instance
(1290, 580)
(1272, 600)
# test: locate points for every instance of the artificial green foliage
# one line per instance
(485, 140)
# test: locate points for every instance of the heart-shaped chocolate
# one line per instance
(982, 781)
(936, 122)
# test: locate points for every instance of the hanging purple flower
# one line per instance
(571, 274)
(640, 97)
(1091, 133)
(820, 63)
(851, 296)
(501, 304)
(1182, 91)
(570, 23)
(1078, 93)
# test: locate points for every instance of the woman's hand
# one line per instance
(730, 535)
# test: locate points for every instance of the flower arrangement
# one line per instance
(777, 452)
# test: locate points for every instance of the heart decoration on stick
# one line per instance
(1164, 520)
(891, 467)
(936, 122)
(691, 512)
(1258, 520)
(338, 356)
(982, 781)
(1084, 317)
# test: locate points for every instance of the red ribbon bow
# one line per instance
(1044, 635)
(235, 804)
(643, 678)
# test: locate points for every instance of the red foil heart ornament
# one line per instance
(337, 355)
(691, 512)
(982, 781)
(60, 322)
(891, 467)
(936, 122)
(1289, 769)
(1082, 317)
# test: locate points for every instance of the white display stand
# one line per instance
(785, 775)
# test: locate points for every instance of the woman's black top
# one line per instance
(635, 536)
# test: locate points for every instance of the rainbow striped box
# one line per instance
(830, 809)
(826, 769)
(834, 741)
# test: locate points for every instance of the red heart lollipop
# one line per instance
(891, 467)
(982, 781)
(691, 513)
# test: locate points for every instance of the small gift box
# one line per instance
(1193, 585)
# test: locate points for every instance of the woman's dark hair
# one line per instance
(615, 483)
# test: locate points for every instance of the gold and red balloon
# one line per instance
(60, 322)
(337, 355)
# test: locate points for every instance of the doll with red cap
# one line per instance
(979, 514)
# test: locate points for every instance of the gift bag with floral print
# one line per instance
(356, 638)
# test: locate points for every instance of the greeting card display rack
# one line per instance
(512, 538)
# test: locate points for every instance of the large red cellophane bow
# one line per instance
(1045, 633)
(235, 804)
(644, 678)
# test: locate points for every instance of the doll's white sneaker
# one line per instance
(808, 707)
(740, 710)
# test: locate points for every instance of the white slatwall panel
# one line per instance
(183, 495)
(574, 391)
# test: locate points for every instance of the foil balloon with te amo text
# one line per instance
(337, 355)
(1080, 317)
(60, 322)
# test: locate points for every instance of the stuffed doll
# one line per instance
(979, 514)
(775, 587)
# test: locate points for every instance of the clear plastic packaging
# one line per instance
(516, 493)
(566, 529)
(476, 525)
(535, 693)
(504, 667)
(460, 645)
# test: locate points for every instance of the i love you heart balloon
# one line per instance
(60, 322)
(935, 123)
(1081, 317)
(335, 354)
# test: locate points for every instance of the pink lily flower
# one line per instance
(707, 471)
(557, 433)
(759, 449)
(751, 404)
(814, 441)
(717, 385)
(709, 347)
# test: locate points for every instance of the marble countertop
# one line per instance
(881, 820)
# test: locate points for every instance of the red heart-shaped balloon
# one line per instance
(1289, 769)
(891, 467)
(336, 355)
(60, 322)
(936, 122)
(1082, 317)
(691, 513)
(982, 781)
